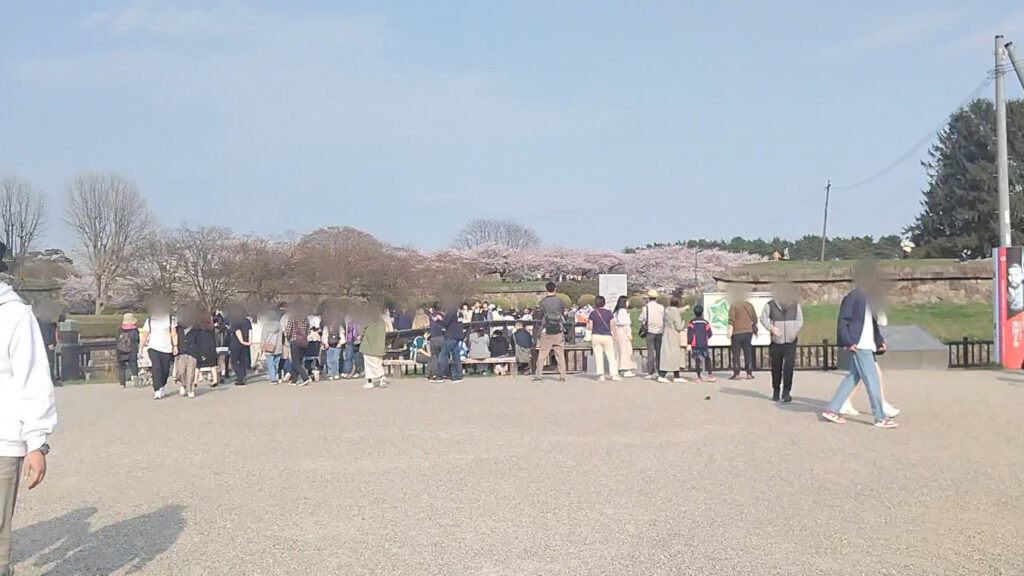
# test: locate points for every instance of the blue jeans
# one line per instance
(333, 362)
(350, 354)
(273, 363)
(862, 367)
(450, 364)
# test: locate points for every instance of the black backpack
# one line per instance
(334, 336)
(125, 342)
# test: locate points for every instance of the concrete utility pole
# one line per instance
(1002, 162)
(824, 224)
(1018, 65)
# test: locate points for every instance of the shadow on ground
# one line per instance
(67, 545)
(799, 404)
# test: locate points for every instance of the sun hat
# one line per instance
(652, 293)
(129, 320)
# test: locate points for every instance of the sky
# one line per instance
(599, 124)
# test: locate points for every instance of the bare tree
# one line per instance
(22, 214)
(155, 270)
(206, 257)
(107, 216)
(264, 268)
(504, 233)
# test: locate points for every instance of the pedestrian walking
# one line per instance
(273, 346)
(240, 345)
(783, 318)
(742, 325)
(373, 348)
(858, 331)
(158, 341)
(127, 346)
(672, 343)
(28, 410)
(450, 363)
(186, 362)
(552, 325)
(602, 339)
(296, 332)
(624, 338)
(436, 342)
(698, 338)
(652, 330)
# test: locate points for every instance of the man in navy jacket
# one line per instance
(858, 332)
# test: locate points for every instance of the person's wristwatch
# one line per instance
(44, 449)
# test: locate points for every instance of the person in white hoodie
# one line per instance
(28, 411)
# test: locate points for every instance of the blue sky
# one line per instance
(600, 124)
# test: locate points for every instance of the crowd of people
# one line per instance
(298, 345)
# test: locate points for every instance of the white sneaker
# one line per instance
(304, 383)
(629, 374)
(664, 380)
(849, 410)
(383, 382)
(192, 394)
(368, 386)
(601, 378)
(890, 410)
(181, 391)
(158, 394)
(616, 378)
(651, 377)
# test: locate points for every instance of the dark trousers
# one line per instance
(783, 357)
(126, 370)
(653, 352)
(702, 361)
(240, 364)
(433, 365)
(299, 373)
(161, 368)
(742, 343)
(450, 363)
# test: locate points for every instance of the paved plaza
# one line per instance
(502, 476)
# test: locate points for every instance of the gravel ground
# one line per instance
(504, 476)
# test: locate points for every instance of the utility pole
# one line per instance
(824, 224)
(1002, 162)
(1018, 65)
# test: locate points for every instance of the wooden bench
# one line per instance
(404, 367)
(510, 361)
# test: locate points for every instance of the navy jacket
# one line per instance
(453, 329)
(851, 320)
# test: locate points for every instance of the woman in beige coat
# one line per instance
(672, 343)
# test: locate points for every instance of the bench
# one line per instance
(404, 367)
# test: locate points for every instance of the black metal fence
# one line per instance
(78, 361)
(968, 353)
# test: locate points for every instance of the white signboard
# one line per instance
(611, 286)
(716, 311)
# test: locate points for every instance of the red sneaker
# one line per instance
(833, 417)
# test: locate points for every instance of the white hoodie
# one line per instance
(28, 411)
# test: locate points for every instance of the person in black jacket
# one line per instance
(450, 363)
(858, 332)
(207, 343)
(189, 350)
(127, 345)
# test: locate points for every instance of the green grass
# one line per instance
(945, 321)
(828, 264)
(92, 327)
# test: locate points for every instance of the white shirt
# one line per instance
(159, 330)
(622, 318)
(867, 335)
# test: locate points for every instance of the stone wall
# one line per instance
(907, 284)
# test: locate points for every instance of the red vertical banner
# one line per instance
(1009, 306)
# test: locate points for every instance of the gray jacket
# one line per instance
(788, 318)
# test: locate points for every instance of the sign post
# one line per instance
(611, 286)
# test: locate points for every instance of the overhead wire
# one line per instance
(989, 78)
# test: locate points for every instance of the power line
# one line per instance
(917, 146)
